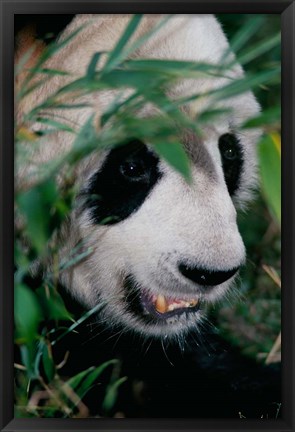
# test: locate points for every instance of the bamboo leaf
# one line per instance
(241, 38)
(112, 394)
(270, 169)
(83, 381)
(268, 117)
(259, 49)
(175, 155)
(117, 54)
(36, 206)
(84, 317)
(53, 72)
(55, 124)
(92, 65)
(244, 84)
(27, 313)
(210, 115)
(48, 52)
(47, 361)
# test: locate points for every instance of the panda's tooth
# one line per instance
(161, 304)
(193, 303)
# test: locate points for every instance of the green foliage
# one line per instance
(43, 207)
(36, 206)
(270, 168)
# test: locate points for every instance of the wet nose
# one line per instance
(206, 277)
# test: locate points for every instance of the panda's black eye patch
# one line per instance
(232, 160)
(124, 181)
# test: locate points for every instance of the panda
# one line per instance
(162, 249)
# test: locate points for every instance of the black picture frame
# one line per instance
(286, 9)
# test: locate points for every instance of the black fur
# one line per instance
(232, 160)
(201, 376)
(120, 187)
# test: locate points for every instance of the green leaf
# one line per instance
(74, 259)
(28, 352)
(84, 317)
(53, 72)
(36, 205)
(24, 91)
(83, 381)
(47, 53)
(259, 49)
(169, 69)
(85, 141)
(48, 363)
(241, 38)
(92, 65)
(141, 40)
(54, 47)
(52, 303)
(270, 170)
(27, 313)
(121, 53)
(117, 54)
(27, 316)
(139, 79)
(244, 84)
(271, 116)
(21, 63)
(55, 124)
(112, 394)
(175, 155)
(116, 104)
(212, 114)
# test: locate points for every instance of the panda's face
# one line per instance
(162, 248)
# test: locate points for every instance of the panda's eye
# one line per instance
(133, 170)
(228, 147)
(229, 152)
(232, 160)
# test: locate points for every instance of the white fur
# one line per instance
(177, 221)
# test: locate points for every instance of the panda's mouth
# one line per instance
(156, 308)
(163, 306)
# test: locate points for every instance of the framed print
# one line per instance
(147, 216)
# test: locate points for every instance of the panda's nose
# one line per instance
(206, 277)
